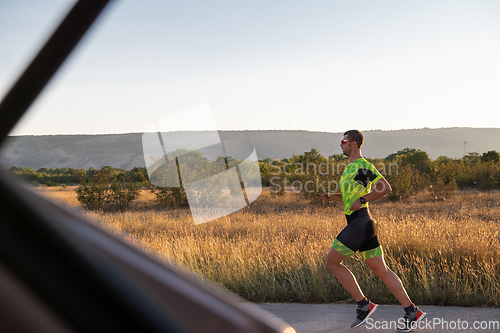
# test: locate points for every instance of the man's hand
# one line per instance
(356, 205)
(331, 196)
(325, 197)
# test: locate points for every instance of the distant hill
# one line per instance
(125, 150)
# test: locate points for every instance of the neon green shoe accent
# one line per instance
(337, 245)
(372, 253)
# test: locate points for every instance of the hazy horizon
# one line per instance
(284, 65)
(265, 130)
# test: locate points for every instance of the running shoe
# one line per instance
(411, 320)
(363, 313)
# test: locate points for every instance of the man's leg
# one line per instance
(365, 308)
(343, 274)
(391, 280)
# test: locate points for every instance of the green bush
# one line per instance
(95, 192)
(170, 196)
(107, 189)
(123, 191)
(406, 182)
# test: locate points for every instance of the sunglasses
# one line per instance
(346, 141)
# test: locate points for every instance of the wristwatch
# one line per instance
(362, 200)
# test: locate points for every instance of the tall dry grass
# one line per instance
(445, 252)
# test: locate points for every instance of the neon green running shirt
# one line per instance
(356, 181)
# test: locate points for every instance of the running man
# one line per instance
(360, 234)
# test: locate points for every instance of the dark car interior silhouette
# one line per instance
(60, 273)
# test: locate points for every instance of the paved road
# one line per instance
(328, 318)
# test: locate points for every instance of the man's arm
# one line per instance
(331, 197)
(381, 188)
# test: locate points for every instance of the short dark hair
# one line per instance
(356, 136)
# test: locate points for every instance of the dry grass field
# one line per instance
(445, 252)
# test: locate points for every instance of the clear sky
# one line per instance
(273, 64)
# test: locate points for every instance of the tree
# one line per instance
(472, 157)
(94, 193)
(406, 182)
(195, 169)
(123, 191)
(106, 189)
(411, 156)
(491, 156)
(413, 167)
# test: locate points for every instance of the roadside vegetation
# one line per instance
(409, 171)
(446, 252)
(440, 227)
